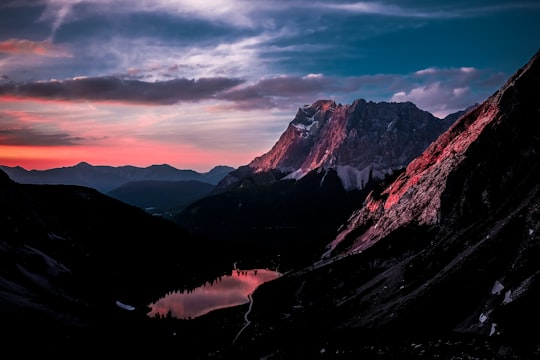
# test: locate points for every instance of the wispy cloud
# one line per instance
(390, 10)
(436, 12)
(28, 137)
(233, 12)
(29, 47)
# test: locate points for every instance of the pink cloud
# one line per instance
(29, 47)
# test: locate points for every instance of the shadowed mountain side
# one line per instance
(68, 253)
(161, 197)
(294, 219)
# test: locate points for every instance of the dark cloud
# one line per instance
(28, 137)
(433, 89)
(115, 89)
(295, 90)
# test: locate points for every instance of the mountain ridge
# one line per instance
(383, 137)
(442, 157)
(105, 178)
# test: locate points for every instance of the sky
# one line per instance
(196, 84)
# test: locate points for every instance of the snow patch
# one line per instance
(508, 297)
(124, 306)
(483, 317)
(53, 236)
(497, 288)
(306, 127)
(297, 174)
(493, 329)
(352, 178)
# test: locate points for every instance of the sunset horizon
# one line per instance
(196, 85)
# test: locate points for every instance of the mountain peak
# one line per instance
(362, 141)
(83, 164)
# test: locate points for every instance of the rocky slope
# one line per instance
(483, 158)
(442, 262)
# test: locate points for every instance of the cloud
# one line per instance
(29, 137)
(442, 91)
(116, 89)
(378, 8)
(238, 13)
(289, 92)
(28, 128)
(438, 90)
(152, 59)
(57, 10)
(29, 47)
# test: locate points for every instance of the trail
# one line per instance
(246, 319)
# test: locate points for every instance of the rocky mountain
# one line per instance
(291, 201)
(108, 178)
(360, 141)
(442, 262)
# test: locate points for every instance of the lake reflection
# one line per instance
(226, 291)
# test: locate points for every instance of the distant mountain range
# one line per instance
(107, 178)
(159, 189)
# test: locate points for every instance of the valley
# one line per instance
(370, 230)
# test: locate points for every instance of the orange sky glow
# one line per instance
(42, 134)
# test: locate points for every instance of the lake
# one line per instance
(226, 291)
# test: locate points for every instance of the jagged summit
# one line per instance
(361, 141)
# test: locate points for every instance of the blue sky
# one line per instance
(202, 83)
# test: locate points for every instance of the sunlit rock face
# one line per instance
(468, 172)
(361, 141)
(456, 236)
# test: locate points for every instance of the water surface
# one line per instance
(226, 291)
